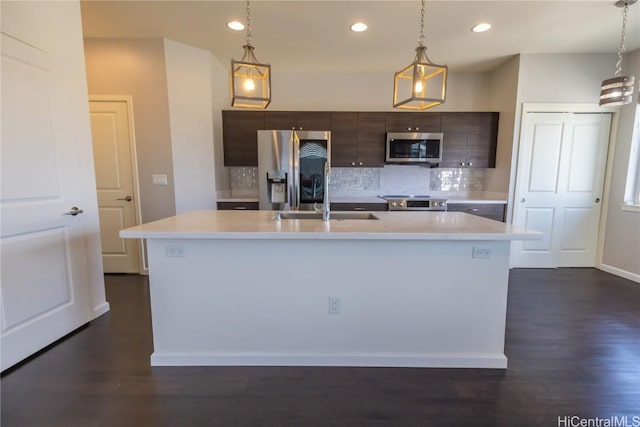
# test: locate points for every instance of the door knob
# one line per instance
(128, 198)
(522, 199)
(597, 199)
(74, 211)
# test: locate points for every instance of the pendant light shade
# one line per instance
(422, 84)
(250, 80)
(618, 90)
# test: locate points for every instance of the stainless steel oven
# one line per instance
(410, 202)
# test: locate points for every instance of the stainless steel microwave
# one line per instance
(414, 147)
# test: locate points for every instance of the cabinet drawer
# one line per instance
(359, 207)
(239, 206)
(492, 211)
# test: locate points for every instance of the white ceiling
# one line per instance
(314, 35)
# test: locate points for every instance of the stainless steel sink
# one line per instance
(339, 216)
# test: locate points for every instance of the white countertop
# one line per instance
(389, 226)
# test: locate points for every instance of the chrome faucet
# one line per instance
(326, 209)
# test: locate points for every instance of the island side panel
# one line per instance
(266, 302)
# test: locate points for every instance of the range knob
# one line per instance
(394, 204)
(401, 204)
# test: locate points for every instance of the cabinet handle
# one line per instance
(417, 128)
(353, 163)
(472, 209)
(240, 208)
(469, 164)
(408, 128)
(360, 163)
(358, 208)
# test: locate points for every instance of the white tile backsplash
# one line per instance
(392, 179)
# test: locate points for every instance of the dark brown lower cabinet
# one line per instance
(359, 207)
(494, 211)
(238, 206)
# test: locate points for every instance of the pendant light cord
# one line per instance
(622, 39)
(421, 39)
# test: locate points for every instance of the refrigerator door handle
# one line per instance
(295, 197)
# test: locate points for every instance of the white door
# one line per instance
(113, 154)
(44, 253)
(559, 188)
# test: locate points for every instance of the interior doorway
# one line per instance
(116, 181)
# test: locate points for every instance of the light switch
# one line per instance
(159, 179)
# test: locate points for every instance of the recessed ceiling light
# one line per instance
(358, 27)
(481, 28)
(235, 25)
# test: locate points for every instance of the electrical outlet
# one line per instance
(334, 305)
(481, 253)
(175, 251)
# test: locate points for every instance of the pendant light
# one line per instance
(422, 84)
(250, 80)
(618, 90)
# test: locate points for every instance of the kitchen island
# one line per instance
(411, 289)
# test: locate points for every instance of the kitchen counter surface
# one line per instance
(389, 226)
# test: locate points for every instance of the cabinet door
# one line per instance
(455, 130)
(399, 122)
(301, 120)
(238, 206)
(239, 138)
(483, 139)
(280, 120)
(427, 122)
(344, 139)
(491, 210)
(371, 139)
(378, 207)
(314, 120)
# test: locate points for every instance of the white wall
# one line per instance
(220, 100)
(340, 91)
(621, 252)
(190, 111)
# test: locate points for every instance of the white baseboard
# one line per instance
(489, 361)
(100, 310)
(621, 273)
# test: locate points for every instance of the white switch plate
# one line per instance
(159, 179)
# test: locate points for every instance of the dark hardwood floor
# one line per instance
(573, 343)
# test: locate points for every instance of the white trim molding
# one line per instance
(620, 273)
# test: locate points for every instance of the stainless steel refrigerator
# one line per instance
(291, 168)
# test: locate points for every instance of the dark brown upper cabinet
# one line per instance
(413, 122)
(240, 138)
(357, 139)
(297, 120)
(469, 140)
